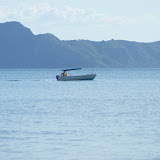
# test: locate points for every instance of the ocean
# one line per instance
(114, 117)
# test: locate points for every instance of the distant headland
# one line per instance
(20, 48)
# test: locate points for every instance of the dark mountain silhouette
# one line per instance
(20, 48)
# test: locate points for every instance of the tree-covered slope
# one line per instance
(20, 48)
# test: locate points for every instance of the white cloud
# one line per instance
(152, 19)
(44, 12)
(123, 20)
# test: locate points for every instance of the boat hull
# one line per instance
(76, 78)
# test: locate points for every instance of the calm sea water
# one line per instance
(114, 117)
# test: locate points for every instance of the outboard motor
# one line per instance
(57, 77)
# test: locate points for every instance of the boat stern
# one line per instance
(57, 76)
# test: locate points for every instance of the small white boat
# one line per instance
(75, 78)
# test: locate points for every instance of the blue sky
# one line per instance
(97, 20)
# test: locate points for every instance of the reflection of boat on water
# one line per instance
(75, 78)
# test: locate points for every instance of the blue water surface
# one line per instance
(114, 117)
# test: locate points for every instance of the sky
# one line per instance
(96, 20)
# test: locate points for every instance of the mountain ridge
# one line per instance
(20, 48)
